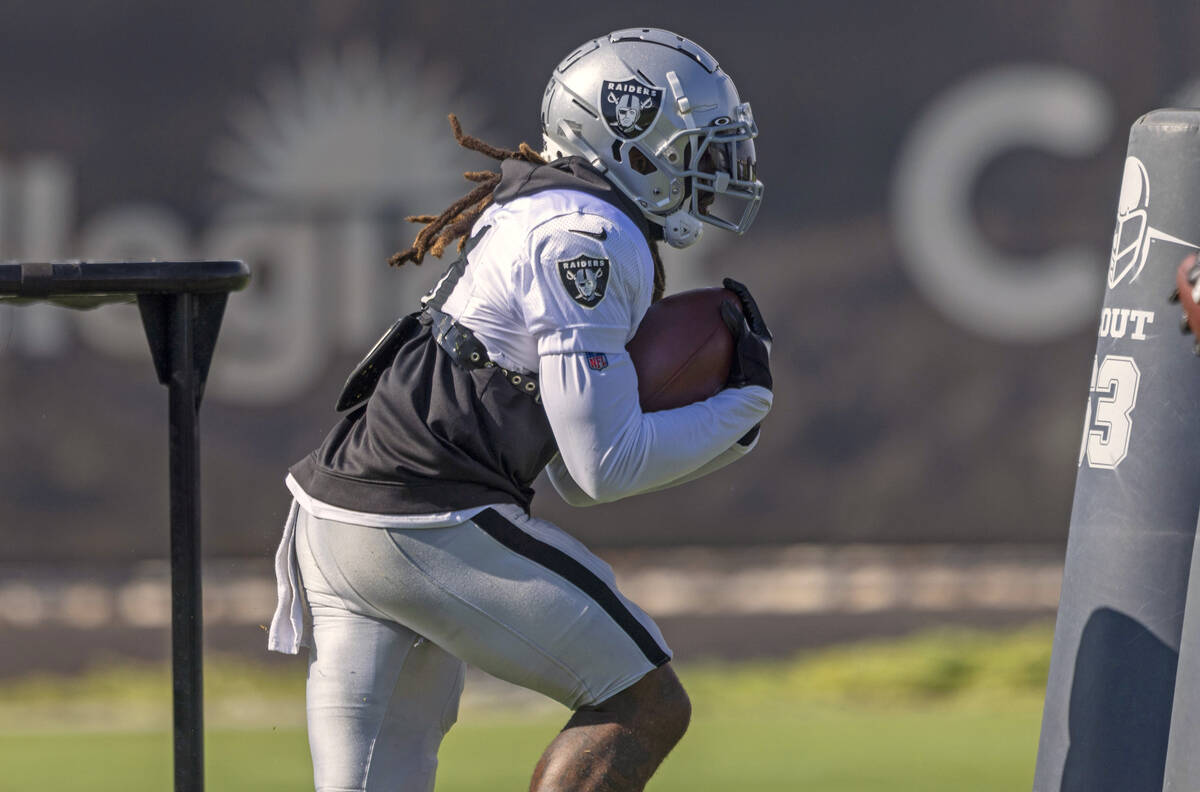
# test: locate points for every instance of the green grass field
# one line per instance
(952, 711)
(834, 752)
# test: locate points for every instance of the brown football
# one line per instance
(682, 350)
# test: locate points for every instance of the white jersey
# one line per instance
(556, 284)
(556, 272)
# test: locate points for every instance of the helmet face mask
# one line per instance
(656, 113)
(723, 188)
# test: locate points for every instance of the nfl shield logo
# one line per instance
(629, 107)
(597, 361)
(585, 278)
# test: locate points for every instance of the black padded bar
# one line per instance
(45, 279)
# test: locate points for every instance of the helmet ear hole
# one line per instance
(639, 162)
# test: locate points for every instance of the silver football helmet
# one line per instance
(659, 117)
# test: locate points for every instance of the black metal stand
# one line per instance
(181, 304)
(182, 331)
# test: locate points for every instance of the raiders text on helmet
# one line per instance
(657, 114)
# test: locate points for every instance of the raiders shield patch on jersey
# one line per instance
(630, 107)
(585, 279)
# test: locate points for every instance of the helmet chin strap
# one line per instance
(681, 229)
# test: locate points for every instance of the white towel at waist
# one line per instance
(288, 626)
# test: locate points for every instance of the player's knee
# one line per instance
(657, 704)
(675, 708)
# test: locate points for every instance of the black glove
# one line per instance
(751, 340)
(749, 307)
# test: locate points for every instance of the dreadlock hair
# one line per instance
(456, 221)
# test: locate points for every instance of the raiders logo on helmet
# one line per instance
(585, 278)
(629, 107)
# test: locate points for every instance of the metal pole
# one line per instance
(186, 614)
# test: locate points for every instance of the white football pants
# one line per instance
(396, 612)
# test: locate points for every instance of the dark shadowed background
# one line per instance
(940, 181)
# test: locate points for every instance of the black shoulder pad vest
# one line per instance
(434, 436)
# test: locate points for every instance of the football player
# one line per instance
(409, 549)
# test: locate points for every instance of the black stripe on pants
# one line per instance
(558, 562)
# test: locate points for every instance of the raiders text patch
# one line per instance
(585, 279)
(629, 107)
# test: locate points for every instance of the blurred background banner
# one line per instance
(931, 254)
(933, 248)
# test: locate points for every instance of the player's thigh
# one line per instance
(380, 697)
(524, 601)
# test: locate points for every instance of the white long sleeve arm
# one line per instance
(612, 449)
(571, 492)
